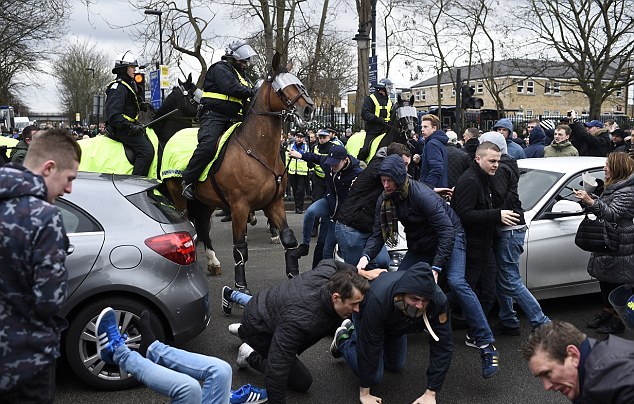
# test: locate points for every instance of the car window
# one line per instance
(534, 184)
(75, 220)
(576, 182)
(157, 206)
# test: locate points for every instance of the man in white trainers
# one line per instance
(281, 322)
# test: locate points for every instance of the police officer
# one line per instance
(376, 112)
(122, 113)
(225, 93)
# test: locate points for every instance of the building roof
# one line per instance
(507, 68)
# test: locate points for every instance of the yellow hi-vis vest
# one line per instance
(225, 97)
(296, 166)
(355, 143)
(378, 108)
(136, 100)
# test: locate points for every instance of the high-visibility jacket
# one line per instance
(355, 143)
(297, 166)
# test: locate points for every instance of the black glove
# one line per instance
(137, 130)
(145, 106)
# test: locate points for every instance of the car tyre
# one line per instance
(81, 341)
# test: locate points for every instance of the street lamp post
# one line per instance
(363, 44)
(90, 69)
(159, 13)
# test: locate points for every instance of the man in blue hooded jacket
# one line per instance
(536, 140)
(505, 127)
(397, 304)
(434, 160)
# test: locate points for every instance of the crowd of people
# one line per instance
(464, 227)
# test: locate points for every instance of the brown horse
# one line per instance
(252, 174)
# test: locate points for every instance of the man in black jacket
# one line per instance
(583, 369)
(225, 93)
(590, 138)
(397, 304)
(281, 322)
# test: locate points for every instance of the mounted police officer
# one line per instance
(122, 113)
(376, 112)
(225, 95)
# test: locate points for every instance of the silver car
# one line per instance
(552, 265)
(131, 250)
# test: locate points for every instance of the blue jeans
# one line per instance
(509, 284)
(392, 358)
(240, 297)
(318, 209)
(464, 295)
(351, 244)
(175, 373)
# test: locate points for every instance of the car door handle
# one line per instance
(70, 249)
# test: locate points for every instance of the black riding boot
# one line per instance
(241, 256)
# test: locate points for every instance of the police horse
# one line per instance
(251, 175)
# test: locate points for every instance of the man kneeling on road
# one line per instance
(397, 304)
(281, 322)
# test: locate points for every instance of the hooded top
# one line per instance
(33, 283)
(380, 321)
(504, 189)
(514, 150)
(536, 143)
(434, 161)
(496, 138)
(430, 224)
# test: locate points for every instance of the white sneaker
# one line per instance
(233, 329)
(243, 353)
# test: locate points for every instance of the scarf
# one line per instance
(389, 219)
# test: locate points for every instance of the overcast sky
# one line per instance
(89, 25)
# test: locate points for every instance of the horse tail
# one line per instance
(200, 216)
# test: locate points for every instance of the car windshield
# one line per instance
(534, 184)
(157, 206)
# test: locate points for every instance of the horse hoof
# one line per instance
(275, 239)
(214, 270)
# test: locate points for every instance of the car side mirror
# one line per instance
(564, 208)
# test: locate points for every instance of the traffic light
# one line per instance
(468, 100)
(139, 79)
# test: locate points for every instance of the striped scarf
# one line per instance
(389, 219)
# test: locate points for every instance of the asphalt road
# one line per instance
(333, 381)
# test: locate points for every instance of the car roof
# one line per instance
(125, 184)
(562, 164)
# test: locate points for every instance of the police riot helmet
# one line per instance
(124, 60)
(622, 299)
(239, 50)
(384, 84)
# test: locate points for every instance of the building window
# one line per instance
(417, 96)
(529, 113)
(453, 92)
(423, 96)
(556, 113)
(619, 92)
(479, 88)
(546, 112)
(530, 87)
(441, 93)
(520, 87)
(552, 88)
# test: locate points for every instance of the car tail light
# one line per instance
(176, 247)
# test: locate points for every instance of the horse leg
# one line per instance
(240, 248)
(276, 214)
(200, 215)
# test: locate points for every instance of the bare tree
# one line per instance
(24, 46)
(81, 72)
(593, 38)
(364, 11)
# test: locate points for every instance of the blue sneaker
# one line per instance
(490, 359)
(108, 336)
(248, 394)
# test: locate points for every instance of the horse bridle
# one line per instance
(279, 83)
(195, 97)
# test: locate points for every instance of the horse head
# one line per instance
(406, 114)
(184, 98)
(188, 104)
(292, 96)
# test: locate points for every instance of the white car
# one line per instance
(552, 265)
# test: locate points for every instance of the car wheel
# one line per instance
(81, 342)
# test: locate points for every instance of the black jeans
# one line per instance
(143, 152)
(298, 183)
(212, 126)
(607, 288)
(39, 390)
